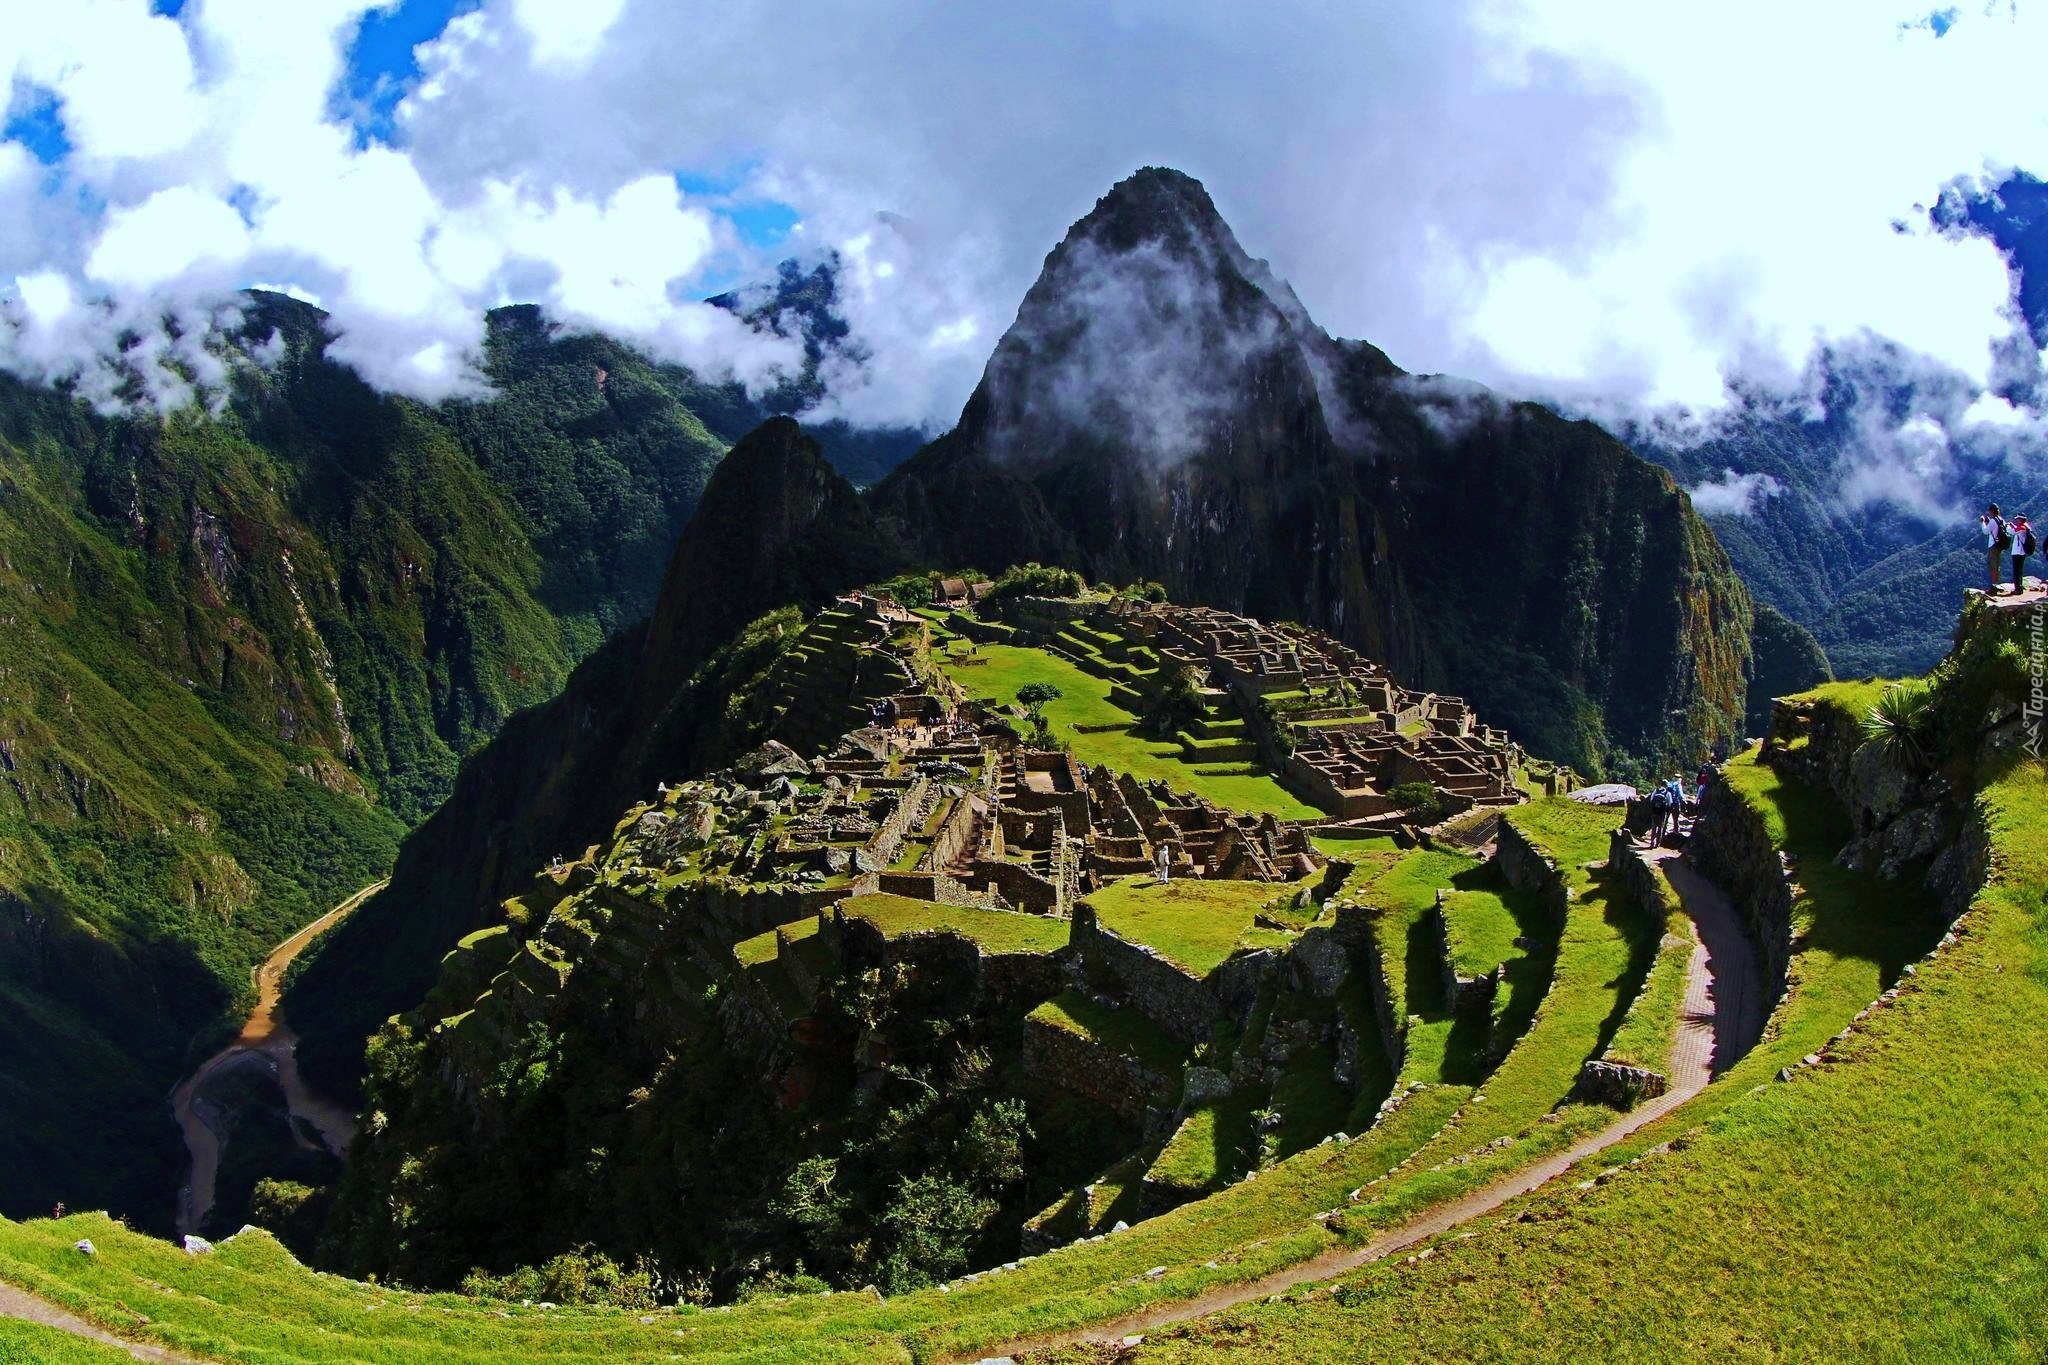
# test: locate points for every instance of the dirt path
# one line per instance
(1721, 978)
(1726, 989)
(19, 1303)
(266, 1041)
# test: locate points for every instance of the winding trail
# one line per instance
(1722, 1018)
(265, 1041)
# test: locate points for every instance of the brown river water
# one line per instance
(265, 1041)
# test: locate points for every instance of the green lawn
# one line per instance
(997, 931)
(1910, 1161)
(1192, 923)
(1084, 701)
(1481, 930)
(761, 948)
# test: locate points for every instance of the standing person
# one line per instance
(1706, 776)
(1997, 538)
(1660, 812)
(2023, 544)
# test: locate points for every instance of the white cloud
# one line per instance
(1733, 494)
(165, 236)
(566, 33)
(1615, 204)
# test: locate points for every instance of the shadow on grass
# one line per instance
(1639, 928)
(1852, 914)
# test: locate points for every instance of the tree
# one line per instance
(1179, 702)
(1035, 695)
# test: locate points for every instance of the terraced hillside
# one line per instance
(1811, 1179)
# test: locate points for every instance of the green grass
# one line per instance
(1481, 930)
(1195, 924)
(1084, 702)
(1213, 1143)
(1125, 1030)
(762, 948)
(996, 931)
(1913, 1160)
(1648, 1031)
(26, 1343)
(1570, 832)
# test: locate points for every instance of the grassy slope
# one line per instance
(1796, 1211)
(1866, 1143)
(1648, 1031)
(24, 1343)
(1084, 701)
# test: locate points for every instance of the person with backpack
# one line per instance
(1997, 541)
(1660, 812)
(2023, 544)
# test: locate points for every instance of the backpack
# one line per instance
(1660, 799)
(2004, 535)
(2026, 545)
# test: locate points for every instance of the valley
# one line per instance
(268, 1043)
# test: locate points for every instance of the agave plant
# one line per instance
(1901, 720)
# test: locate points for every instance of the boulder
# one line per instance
(773, 759)
(84, 1245)
(196, 1246)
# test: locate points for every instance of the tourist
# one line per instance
(1699, 786)
(1660, 813)
(1997, 539)
(1165, 864)
(2022, 546)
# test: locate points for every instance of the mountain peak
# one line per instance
(1153, 204)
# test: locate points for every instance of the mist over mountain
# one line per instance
(1851, 506)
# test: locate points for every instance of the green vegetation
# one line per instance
(994, 931)
(1213, 1143)
(1197, 925)
(1083, 720)
(1481, 930)
(1126, 1031)
(1647, 1032)
(25, 1343)
(1807, 1203)
(1039, 580)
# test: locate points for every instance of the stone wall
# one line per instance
(1165, 994)
(954, 842)
(1731, 847)
(1022, 888)
(1081, 1066)
(1528, 869)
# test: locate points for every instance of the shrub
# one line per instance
(1419, 798)
(1902, 719)
(581, 1277)
(1039, 580)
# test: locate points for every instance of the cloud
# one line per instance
(1733, 494)
(1559, 200)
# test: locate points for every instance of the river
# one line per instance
(265, 1041)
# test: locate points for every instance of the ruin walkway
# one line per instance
(1723, 1017)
